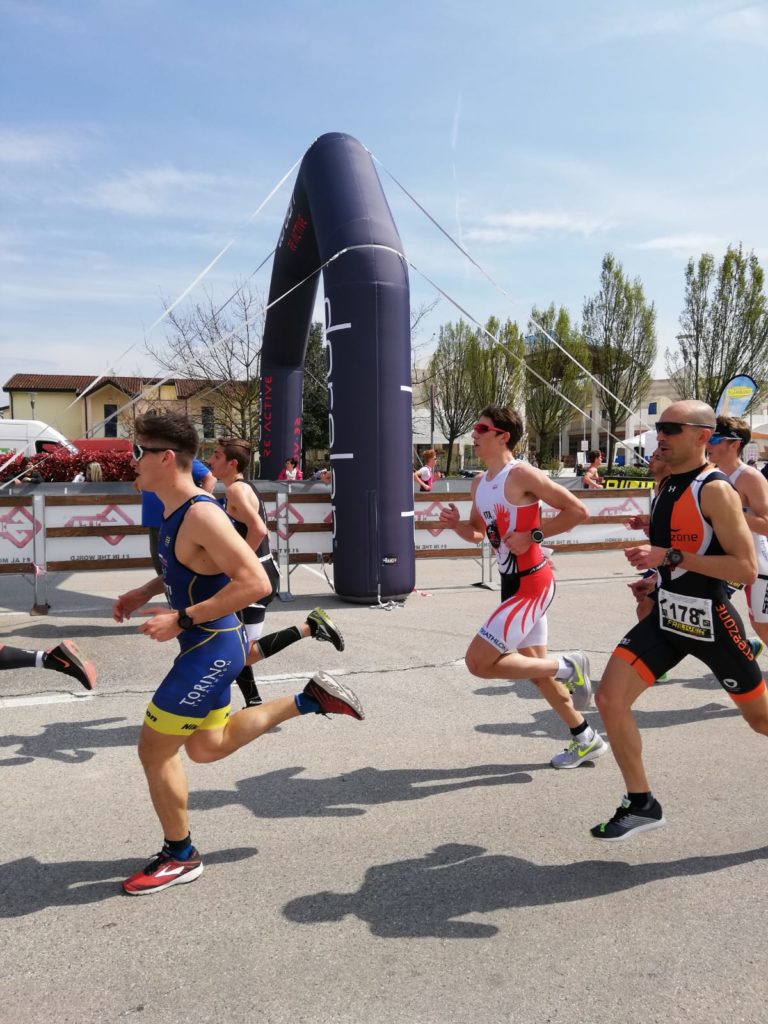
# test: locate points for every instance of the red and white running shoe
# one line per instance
(163, 871)
(333, 698)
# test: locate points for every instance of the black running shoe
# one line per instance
(162, 872)
(67, 659)
(333, 698)
(321, 627)
(629, 821)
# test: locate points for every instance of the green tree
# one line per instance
(723, 326)
(315, 394)
(451, 374)
(547, 409)
(496, 366)
(620, 327)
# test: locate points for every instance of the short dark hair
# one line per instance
(733, 427)
(593, 454)
(171, 428)
(239, 450)
(506, 419)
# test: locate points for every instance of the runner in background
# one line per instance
(230, 461)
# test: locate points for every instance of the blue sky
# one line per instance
(138, 136)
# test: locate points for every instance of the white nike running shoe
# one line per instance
(575, 754)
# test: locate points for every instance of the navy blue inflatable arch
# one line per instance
(338, 204)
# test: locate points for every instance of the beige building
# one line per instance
(87, 406)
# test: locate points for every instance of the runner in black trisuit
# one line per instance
(698, 539)
(245, 507)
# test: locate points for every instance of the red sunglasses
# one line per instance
(483, 428)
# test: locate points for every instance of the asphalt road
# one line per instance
(425, 866)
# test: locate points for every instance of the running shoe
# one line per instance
(574, 754)
(333, 698)
(580, 685)
(629, 821)
(322, 628)
(163, 871)
(67, 658)
(757, 646)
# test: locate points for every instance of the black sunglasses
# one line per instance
(670, 429)
(138, 451)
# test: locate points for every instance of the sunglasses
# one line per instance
(138, 451)
(670, 429)
(717, 438)
(483, 428)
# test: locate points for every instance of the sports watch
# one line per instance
(673, 557)
(184, 620)
(537, 536)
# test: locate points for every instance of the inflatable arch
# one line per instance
(338, 207)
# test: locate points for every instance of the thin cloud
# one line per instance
(525, 224)
(684, 245)
(746, 25)
(35, 148)
(151, 193)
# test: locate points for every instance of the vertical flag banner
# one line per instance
(736, 396)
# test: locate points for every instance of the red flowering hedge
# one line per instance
(59, 466)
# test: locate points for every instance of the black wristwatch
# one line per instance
(184, 620)
(537, 536)
(673, 557)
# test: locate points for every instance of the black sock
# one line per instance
(640, 800)
(247, 684)
(580, 729)
(179, 849)
(15, 657)
(273, 643)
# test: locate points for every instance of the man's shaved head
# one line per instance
(690, 411)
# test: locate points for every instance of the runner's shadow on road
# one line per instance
(28, 885)
(69, 742)
(38, 634)
(280, 794)
(425, 897)
(547, 724)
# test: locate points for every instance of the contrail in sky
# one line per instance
(454, 140)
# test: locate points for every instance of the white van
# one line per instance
(29, 437)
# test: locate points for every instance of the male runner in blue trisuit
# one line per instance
(209, 572)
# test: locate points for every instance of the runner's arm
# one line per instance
(471, 530)
(754, 493)
(244, 506)
(131, 600)
(208, 526)
(571, 511)
(721, 505)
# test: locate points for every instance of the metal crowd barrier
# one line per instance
(85, 527)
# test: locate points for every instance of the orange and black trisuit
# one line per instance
(692, 613)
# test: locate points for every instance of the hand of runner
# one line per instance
(161, 624)
(450, 516)
(127, 603)
(642, 588)
(638, 523)
(645, 556)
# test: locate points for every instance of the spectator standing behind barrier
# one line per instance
(426, 474)
(152, 508)
(591, 476)
(93, 473)
(290, 471)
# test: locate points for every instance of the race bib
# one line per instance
(686, 616)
